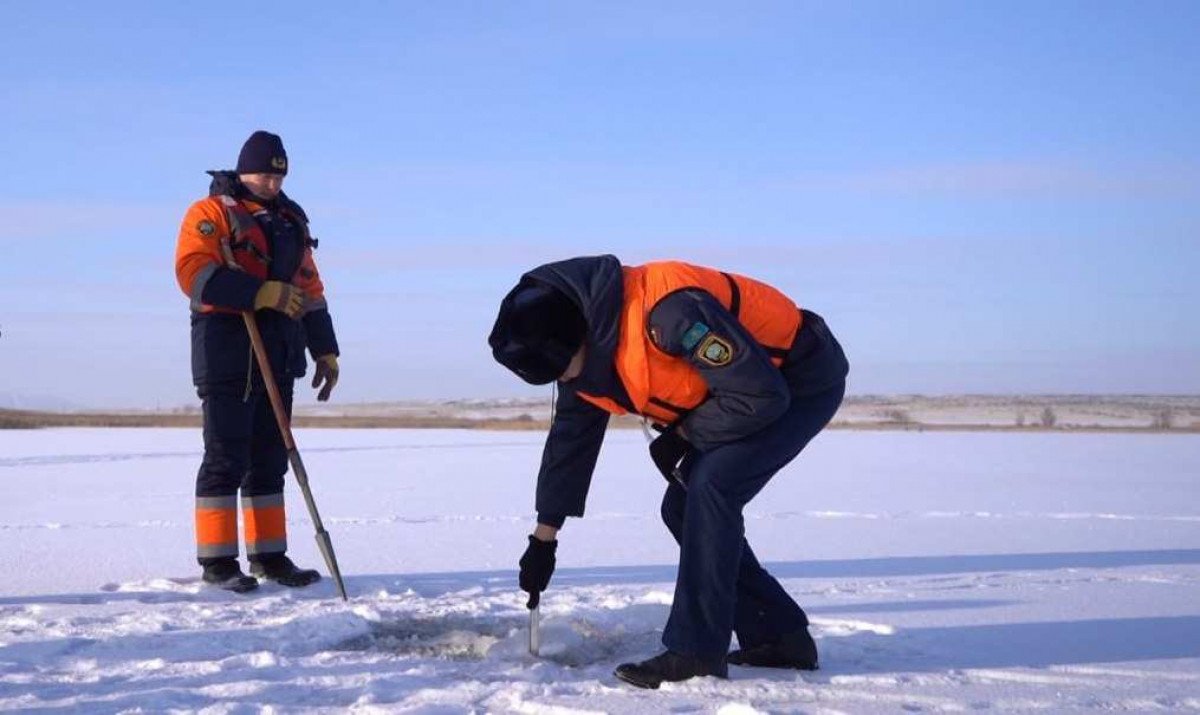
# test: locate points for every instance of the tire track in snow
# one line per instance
(355, 522)
(59, 459)
(1018, 515)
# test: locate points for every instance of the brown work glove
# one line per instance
(327, 370)
(284, 297)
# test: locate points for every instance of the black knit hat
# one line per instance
(538, 331)
(263, 154)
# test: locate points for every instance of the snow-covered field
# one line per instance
(1181, 412)
(942, 571)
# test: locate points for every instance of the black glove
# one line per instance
(537, 565)
(668, 450)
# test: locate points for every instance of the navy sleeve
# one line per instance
(569, 458)
(746, 391)
(318, 330)
(227, 288)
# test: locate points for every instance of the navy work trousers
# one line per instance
(721, 587)
(243, 449)
(242, 444)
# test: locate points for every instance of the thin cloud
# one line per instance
(42, 219)
(1023, 179)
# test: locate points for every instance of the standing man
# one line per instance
(736, 378)
(246, 247)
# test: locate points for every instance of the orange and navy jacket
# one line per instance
(715, 354)
(229, 244)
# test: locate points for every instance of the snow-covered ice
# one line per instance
(942, 571)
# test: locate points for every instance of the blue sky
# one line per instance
(979, 197)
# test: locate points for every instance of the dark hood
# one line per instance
(227, 183)
(596, 285)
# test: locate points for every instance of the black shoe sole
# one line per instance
(635, 681)
(781, 666)
(244, 584)
(291, 582)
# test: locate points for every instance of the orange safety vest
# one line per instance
(665, 387)
(235, 240)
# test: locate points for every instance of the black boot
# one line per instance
(667, 667)
(794, 650)
(280, 569)
(226, 574)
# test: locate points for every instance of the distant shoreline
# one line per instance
(1133, 414)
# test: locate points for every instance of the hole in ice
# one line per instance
(571, 642)
(448, 636)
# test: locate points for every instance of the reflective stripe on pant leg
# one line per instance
(216, 527)
(266, 525)
(227, 425)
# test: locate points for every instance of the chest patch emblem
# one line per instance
(715, 351)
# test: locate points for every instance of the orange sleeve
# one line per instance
(310, 278)
(198, 252)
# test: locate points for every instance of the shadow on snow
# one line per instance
(400, 636)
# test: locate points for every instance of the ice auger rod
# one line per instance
(285, 429)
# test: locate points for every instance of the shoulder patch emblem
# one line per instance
(206, 227)
(693, 335)
(715, 351)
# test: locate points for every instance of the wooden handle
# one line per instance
(264, 366)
